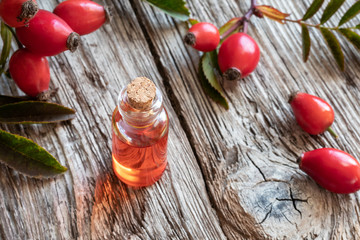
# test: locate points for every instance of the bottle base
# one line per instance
(138, 177)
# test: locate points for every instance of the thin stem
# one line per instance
(232, 28)
(16, 38)
(248, 15)
(301, 22)
(244, 21)
(331, 131)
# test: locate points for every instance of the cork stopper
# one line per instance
(141, 92)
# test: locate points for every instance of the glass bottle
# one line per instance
(140, 127)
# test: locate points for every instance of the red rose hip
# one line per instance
(17, 13)
(333, 169)
(48, 35)
(203, 37)
(313, 114)
(238, 56)
(30, 72)
(83, 16)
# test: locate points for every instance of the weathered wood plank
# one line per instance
(247, 154)
(89, 202)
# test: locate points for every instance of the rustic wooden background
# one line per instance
(231, 174)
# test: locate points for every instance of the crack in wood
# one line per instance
(175, 104)
(266, 215)
(259, 169)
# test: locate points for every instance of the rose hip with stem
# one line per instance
(333, 169)
(313, 114)
(48, 35)
(203, 37)
(17, 13)
(238, 56)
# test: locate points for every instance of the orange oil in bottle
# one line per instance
(139, 143)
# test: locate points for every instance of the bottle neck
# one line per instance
(139, 118)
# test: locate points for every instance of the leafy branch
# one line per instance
(327, 32)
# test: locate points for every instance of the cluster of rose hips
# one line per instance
(45, 33)
(238, 54)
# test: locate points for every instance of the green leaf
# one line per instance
(27, 157)
(9, 99)
(357, 26)
(34, 112)
(314, 7)
(352, 12)
(193, 21)
(208, 80)
(353, 37)
(306, 42)
(175, 8)
(330, 9)
(6, 36)
(334, 47)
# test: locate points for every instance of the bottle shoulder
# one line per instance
(143, 135)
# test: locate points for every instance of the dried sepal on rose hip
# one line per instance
(48, 35)
(17, 13)
(203, 37)
(313, 114)
(30, 72)
(238, 56)
(83, 16)
(333, 169)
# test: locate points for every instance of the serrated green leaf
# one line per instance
(175, 8)
(306, 42)
(29, 112)
(10, 99)
(351, 13)
(330, 9)
(209, 64)
(27, 157)
(193, 21)
(6, 36)
(208, 79)
(353, 37)
(334, 47)
(314, 7)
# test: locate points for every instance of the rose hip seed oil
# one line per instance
(140, 127)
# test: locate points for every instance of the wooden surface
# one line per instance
(231, 174)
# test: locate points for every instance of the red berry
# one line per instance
(203, 37)
(334, 170)
(48, 35)
(312, 113)
(30, 72)
(17, 13)
(238, 56)
(83, 16)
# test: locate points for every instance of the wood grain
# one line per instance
(231, 174)
(247, 154)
